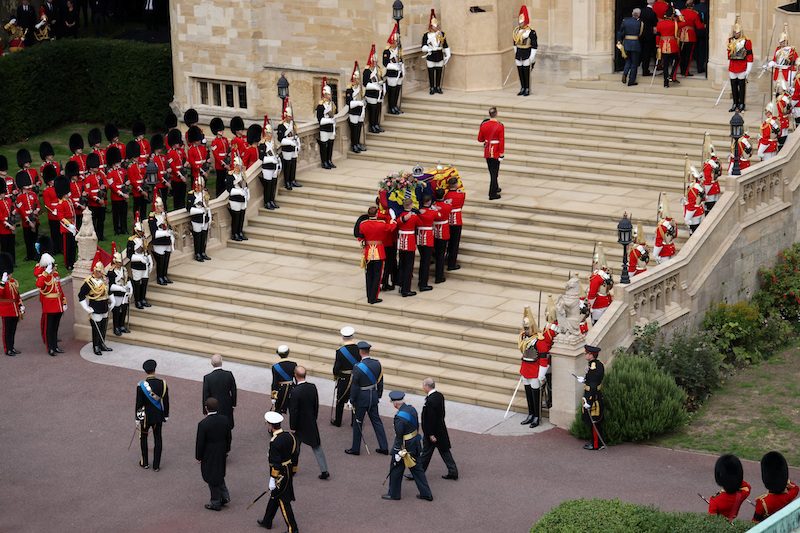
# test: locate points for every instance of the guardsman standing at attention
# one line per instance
(373, 91)
(176, 160)
(221, 151)
(28, 207)
(65, 213)
(628, 35)
(740, 61)
(47, 154)
(95, 139)
(282, 380)
(666, 233)
(282, 452)
(347, 357)
(197, 155)
(775, 475)
(51, 295)
(745, 149)
(76, 147)
(492, 134)
(238, 192)
(8, 225)
(406, 450)
(163, 241)
(121, 289)
(407, 223)
(395, 70)
(250, 154)
(783, 105)
(354, 105)
(593, 397)
(120, 190)
(366, 390)
(729, 475)
(95, 188)
(270, 165)
(639, 255)
(784, 61)
(158, 158)
(25, 164)
(600, 285)
(326, 113)
(239, 140)
(456, 199)
(112, 136)
(374, 233)
(712, 170)
(290, 146)
(11, 306)
(140, 263)
(50, 201)
(135, 175)
(525, 45)
(152, 410)
(437, 53)
(200, 214)
(139, 130)
(93, 296)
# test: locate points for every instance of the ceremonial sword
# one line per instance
(512, 398)
(361, 428)
(257, 498)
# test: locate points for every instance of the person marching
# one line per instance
(775, 476)
(492, 134)
(140, 263)
(221, 151)
(200, 214)
(666, 233)
(525, 45)
(668, 46)
(691, 23)
(11, 307)
(426, 217)
(303, 413)
(93, 296)
(282, 451)
(630, 32)
(163, 240)
(740, 61)
(65, 213)
(374, 232)
(211, 449)
(770, 130)
(783, 62)
(346, 358)
(270, 165)
(121, 289)
(407, 223)
(437, 53)
(693, 210)
(601, 282)
(220, 385)
(395, 70)
(639, 255)
(365, 392)
(152, 411)
(729, 475)
(238, 192)
(406, 450)
(119, 187)
(51, 295)
(593, 397)
(290, 146)
(354, 106)
(282, 379)
(373, 91)
(326, 113)
(27, 206)
(435, 430)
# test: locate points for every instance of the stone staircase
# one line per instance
(567, 178)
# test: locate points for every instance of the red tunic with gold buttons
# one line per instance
(426, 217)
(456, 200)
(7, 209)
(406, 240)
(727, 504)
(374, 233)
(144, 150)
(197, 157)
(771, 503)
(80, 159)
(10, 301)
(441, 226)
(51, 294)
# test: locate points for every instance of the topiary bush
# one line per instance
(779, 292)
(84, 80)
(614, 516)
(641, 402)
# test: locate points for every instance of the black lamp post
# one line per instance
(624, 231)
(397, 12)
(283, 87)
(737, 130)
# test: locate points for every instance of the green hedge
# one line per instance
(614, 516)
(84, 80)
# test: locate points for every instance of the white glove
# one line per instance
(533, 56)
(581, 379)
(65, 307)
(166, 419)
(747, 71)
(272, 484)
(49, 268)
(397, 458)
(585, 404)
(86, 307)
(273, 402)
(22, 308)
(5, 277)
(772, 64)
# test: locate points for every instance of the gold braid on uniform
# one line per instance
(98, 290)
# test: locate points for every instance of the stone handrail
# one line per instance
(756, 217)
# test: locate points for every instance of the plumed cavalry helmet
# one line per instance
(728, 473)
(774, 472)
(663, 207)
(770, 109)
(253, 134)
(523, 17)
(325, 88)
(46, 150)
(355, 76)
(23, 157)
(94, 136)
(111, 132)
(638, 234)
(394, 36)
(44, 246)
(113, 156)
(174, 138)
(286, 114)
(237, 124)
(371, 59)
(190, 117)
(217, 125)
(736, 31)
(75, 142)
(784, 40)
(266, 129)
(433, 24)
(132, 150)
(116, 257)
(599, 260)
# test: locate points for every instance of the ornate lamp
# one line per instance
(624, 232)
(283, 87)
(397, 11)
(737, 131)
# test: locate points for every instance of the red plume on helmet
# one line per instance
(285, 107)
(523, 12)
(355, 73)
(432, 19)
(324, 83)
(394, 35)
(266, 121)
(113, 248)
(371, 58)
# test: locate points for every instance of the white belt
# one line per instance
(456, 210)
(441, 223)
(494, 142)
(427, 227)
(405, 232)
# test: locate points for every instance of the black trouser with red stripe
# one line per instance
(373, 273)
(9, 332)
(687, 53)
(50, 323)
(119, 216)
(55, 235)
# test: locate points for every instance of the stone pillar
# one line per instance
(567, 359)
(87, 246)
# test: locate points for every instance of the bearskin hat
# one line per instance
(195, 134)
(22, 179)
(94, 136)
(132, 150)
(171, 121)
(237, 124)
(46, 150)
(217, 125)
(190, 117)
(61, 186)
(23, 157)
(113, 156)
(157, 142)
(3, 163)
(253, 133)
(75, 142)
(93, 160)
(49, 174)
(111, 132)
(138, 128)
(774, 472)
(71, 169)
(728, 473)
(174, 137)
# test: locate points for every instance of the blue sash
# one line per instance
(367, 372)
(347, 355)
(408, 417)
(281, 372)
(148, 394)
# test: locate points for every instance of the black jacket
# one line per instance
(152, 414)
(341, 363)
(221, 385)
(405, 425)
(433, 420)
(283, 453)
(212, 445)
(303, 411)
(649, 19)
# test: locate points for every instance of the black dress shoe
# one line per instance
(407, 294)
(454, 477)
(741, 107)
(386, 287)
(324, 475)
(379, 129)
(51, 353)
(144, 465)
(243, 237)
(387, 496)
(213, 507)
(499, 190)
(495, 197)
(379, 300)
(588, 446)
(205, 257)
(197, 257)
(624, 78)
(457, 267)
(264, 524)
(432, 91)
(15, 351)
(96, 352)
(382, 451)
(426, 498)
(534, 422)
(161, 281)
(676, 81)
(225, 501)
(330, 164)
(288, 186)
(521, 92)
(425, 288)
(527, 420)
(58, 350)
(333, 423)
(267, 206)
(437, 281)
(274, 205)
(666, 84)
(647, 73)
(632, 84)
(408, 477)
(12, 354)
(235, 238)
(117, 332)
(299, 185)
(352, 452)
(107, 348)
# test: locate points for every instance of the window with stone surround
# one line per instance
(221, 93)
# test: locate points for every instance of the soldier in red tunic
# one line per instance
(668, 45)
(784, 60)
(492, 135)
(197, 155)
(535, 348)
(27, 205)
(4, 177)
(426, 217)
(693, 210)
(176, 161)
(158, 158)
(11, 307)
(775, 475)
(374, 232)
(48, 155)
(8, 225)
(51, 295)
(50, 201)
(406, 246)
(729, 475)
(221, 151)
(639, 255)
(25, 161)
(712, 170)
(239, 140)
(95, 139)
(600, 285)
(112, 136)
(76, 147)
(250, 154)
(666, 233)
(740, 61)
(144, 145)
(65, 212)
(135, 175)
(689, 25)
(120, 190)
(441, 234)
(95, 188)
(389, 246)
(770, 130)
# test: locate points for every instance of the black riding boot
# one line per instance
(529, 398)
(521, 72)
(166, 267)
(203, 244)
(198, 246)
(537, 407)
(145, 281)
(432, 80)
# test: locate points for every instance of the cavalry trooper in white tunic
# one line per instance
(290, 146)
(374, 89)
(270, 165)
(437, 53)
(121, 289)
(141, 264)
(395, 70)
(354, 106)
(525, 45)
(326, 113)
(163, 239)
(200, 214)
(238, 192)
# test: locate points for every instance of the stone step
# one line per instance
(496, 399)
(695, 87)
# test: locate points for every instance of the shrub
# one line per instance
(614, 516)
(84, 80)
(779, 292)
(742, 333)
(641, 402)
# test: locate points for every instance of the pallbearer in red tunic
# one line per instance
(48, 156)
(693, 210)
(76, 147)
(729, 476)
(740, 61)
(135, 175)
(441, 234)
(144, 145)
(407, 224)
(426, 217)
(770, 130)
(25, 163)
(639, 255)
(11, 307)
(27, 206)
(250, 154)
(65, 212)
(51, 295)
(374, 232)
(600, 284)
(666, 233)
(775, 475)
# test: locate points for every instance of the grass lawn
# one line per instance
(754, 412)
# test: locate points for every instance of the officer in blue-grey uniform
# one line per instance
(365, 391)
(630, 30)
(406, 449)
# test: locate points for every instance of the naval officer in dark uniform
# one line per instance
(282, 454)
(630, 31)
(365, 391)
(593, 397)
(282, 380)
(346, 358)
(406, 450)
(152, 410)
